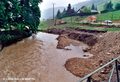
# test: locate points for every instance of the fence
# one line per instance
(114, 67)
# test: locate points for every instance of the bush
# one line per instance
(16, 14)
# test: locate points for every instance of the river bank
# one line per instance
(103, 46)
(107, 48)
(9, 37)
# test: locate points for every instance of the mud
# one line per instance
(88, 39)
(68, 30)
(85, 36)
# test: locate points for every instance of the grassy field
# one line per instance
(115, 15)
(72, 25)
(43, 26)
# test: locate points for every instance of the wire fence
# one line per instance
(115, 67)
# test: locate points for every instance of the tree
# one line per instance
(93, 7)
(64, 10)
(69, 10)
(58, 14)
(117, 6)
(63, 14)
(17, 14)
(73, 11)
(108, 6)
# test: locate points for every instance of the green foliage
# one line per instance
(85, 9)
(16, 14)
(108, 6)
(70, 11)
(117, 6)
(69, 8)
(66, 13)
(93, 7)
(63, 14)
(58, 16)
(6, 37)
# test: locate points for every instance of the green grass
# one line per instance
(43, 25)
(72, 25)
(115, 15)
(73, 19)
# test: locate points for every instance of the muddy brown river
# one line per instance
(36, 59)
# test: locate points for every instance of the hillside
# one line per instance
(99, 3)
(77, 6)
(115, 1)
(88, 3)
(109, 16)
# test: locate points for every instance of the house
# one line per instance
(94, 11)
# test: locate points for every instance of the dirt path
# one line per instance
(38, 60)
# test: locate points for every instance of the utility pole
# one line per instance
(54, 13)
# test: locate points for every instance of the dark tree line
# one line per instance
(111, 7)
(72, 12)
(108, 6)
(117, 6)
(66, 12)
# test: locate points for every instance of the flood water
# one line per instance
(37, 60)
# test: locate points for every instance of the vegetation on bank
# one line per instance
(17, 14)
(18, 19)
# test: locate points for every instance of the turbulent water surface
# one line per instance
(36, 59)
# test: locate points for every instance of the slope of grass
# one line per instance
(75, 19)
(72, 25)
(115, 15)
(45, 24)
